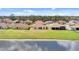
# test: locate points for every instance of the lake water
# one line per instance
(39, 45)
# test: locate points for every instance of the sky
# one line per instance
(39, 11)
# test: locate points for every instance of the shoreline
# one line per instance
(36, 40)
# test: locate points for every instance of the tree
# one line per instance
(12, 16)
(28, 22)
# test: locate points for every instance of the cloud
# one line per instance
(65, 44)
(30, 11)
(62, 14)
(74, 46)
(18, 13)
(53, 8)
(46, 12)
(70, 45)
(42, 13)
(18, 46)
(24, 12)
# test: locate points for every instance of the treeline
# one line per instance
(43, 18)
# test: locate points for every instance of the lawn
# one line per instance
(39, 34)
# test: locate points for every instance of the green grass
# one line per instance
(39, 34)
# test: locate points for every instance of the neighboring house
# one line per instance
(68, 27)
(39, 22)
(7, 20)
(56, 26)
(74, 24)
(28, 22)
(3, 26)
(9, 24)
(20, 26)
(16, 21)
(61, 22)
(1, 20)
(75, 27)
(53, 26)
(39, 25)
(49, 22)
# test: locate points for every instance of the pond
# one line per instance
(39, 45)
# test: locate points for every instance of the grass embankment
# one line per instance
(39, 34)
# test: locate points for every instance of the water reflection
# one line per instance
(39, 45)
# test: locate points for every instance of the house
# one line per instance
(16, 21)
(75, 27)
(16, 24)
(1, 20)
(39, 22)
(7, 23)
(39, 25)
(61, 22)
(28, 22)
(68, 27)
(3, 26)
(7, 20)
(50, 26)
(49, 22)
(74, 24)
(20, 26)
(56, 26)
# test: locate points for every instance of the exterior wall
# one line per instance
(40, 28)
(75, 28)
(58, 28)
(49, 28)
(68, 27)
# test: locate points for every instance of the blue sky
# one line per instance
(39, 11)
